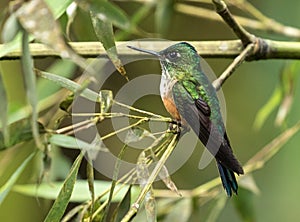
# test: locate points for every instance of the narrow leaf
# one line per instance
(123, 206)
(4, 190)
(68, 142)
(244, 204)
(266, 110)
(37, 19)
(91, 149)
(114, 180)
(22, 132)
(288, 80)
(69, 84)
(3, 112)
(80, 193)
(105, 34)
(64, 68)
(30, 87)
(64, 196)
(107, 11)
(10, 29)
(58, 8)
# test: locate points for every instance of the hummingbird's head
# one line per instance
(177, 59)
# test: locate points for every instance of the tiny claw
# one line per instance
(174, 127)
(177, 127)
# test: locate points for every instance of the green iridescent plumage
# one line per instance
(185, 86)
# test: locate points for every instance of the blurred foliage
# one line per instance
(48, 172)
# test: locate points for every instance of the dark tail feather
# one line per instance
(228, 179)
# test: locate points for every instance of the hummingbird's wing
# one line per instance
(197, 113)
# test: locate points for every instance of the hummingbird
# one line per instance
(191, 100)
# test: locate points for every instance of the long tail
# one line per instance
(228, 179)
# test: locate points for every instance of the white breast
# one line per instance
(166, 85)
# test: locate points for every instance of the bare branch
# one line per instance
(265, 49)
(240, 32)
(230, 69)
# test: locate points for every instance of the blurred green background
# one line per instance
(245, 93)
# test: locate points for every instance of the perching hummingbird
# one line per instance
(191, 99)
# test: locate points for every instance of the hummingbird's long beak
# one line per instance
(144, 50)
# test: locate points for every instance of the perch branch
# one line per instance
(268, 49)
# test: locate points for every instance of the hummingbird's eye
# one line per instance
(173, 55)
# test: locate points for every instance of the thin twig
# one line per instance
(233, 66)
(138, 110)
(125, 128)
(239, 31)
(268, 23)
(135, 207)
(264, 24)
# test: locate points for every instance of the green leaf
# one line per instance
(4, 190)
(10, 29)
(91, 149)
(37, 19)
(244, 204)
(122, 207)
(282, 96)
(12, 45)
(288, 80)
(58, 8)
(114, 180)
(70, 85)
(107, 11)
(64, 68)
(30, 87)
(22, 132)
(80, 193)
(68, 142)
(105, 34)
(3, 113)
(266, 110)
(64, 196)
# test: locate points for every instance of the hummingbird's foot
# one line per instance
(177, 127)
